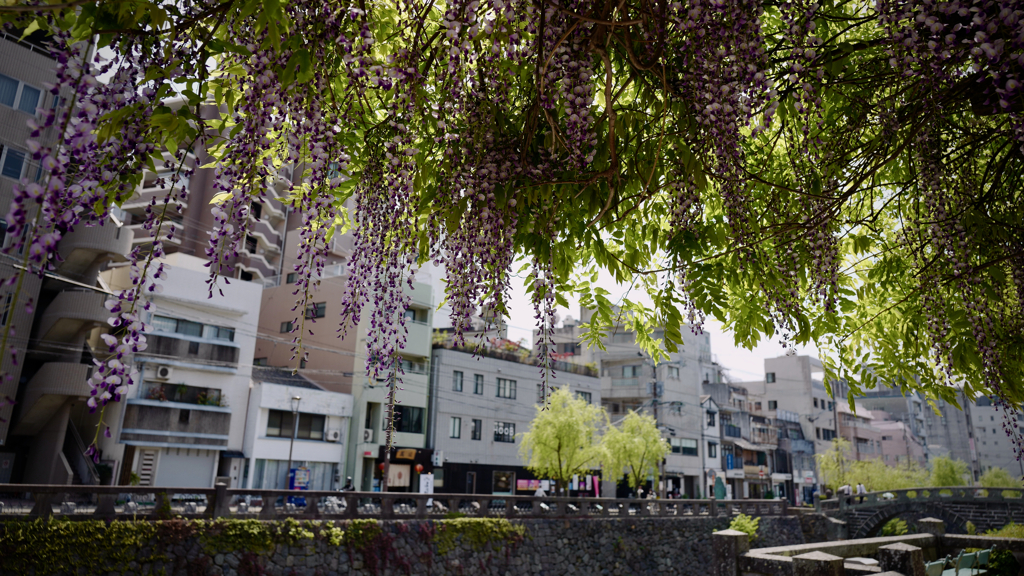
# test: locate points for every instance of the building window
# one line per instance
(757, 406)
(193, 347)
(673, 372)
(584, 395)
(770, 377)
(630, 371)
(831, 405)
(684, 446)
(506, 388)
(317, 310)
(504, 432)
(815, 402)
(712, 450)
(286, 327)
(218, 333)
(711, 419)
(478, 429)
(457, 381)
(281, 422)
(259, 362)
(184, 416)
(478, 383)
(817, 432)
(827, 434)
(407, 419)
(7, 309)
(456, 428)
(19, 95)
(541, 393)
(291, 277)
(773, 404)
(12, 162)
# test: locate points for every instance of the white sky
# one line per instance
(741, 363)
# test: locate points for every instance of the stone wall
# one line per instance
(662, 546)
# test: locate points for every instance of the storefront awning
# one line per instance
(751, 446)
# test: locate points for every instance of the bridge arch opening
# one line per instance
(872, 525)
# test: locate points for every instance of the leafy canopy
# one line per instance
(633, 447)
(563, 438)
(843, 173)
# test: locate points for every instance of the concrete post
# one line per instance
(817, 502)
(220, 501)
(903, 558)
(837, 530)
(726, 548)
(818, 564)
(713, 508)
(932, 526)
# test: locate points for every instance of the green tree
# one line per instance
(633, 447)
(947, 471)
(835, 463)
(996, 477)
(563, 438)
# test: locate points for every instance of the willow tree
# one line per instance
(563, 441)
(842, 173)
(633, 447)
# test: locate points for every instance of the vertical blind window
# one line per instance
(456, 427)
(14, 163)
(29, 99)
(478, 383)
(457, 381)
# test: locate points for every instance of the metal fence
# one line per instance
(125, 502)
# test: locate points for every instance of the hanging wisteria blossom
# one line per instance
(844, 174)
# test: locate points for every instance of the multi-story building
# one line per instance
(669, 390)
(291, 419)
(369, 418)
(55, 320)
(950, 432)
(899, 443)
(794, 474)
(995, 447)
(749, 441)
(183, 425)
(482, 400)
(899, 404)
(857, 427)
(260, 256)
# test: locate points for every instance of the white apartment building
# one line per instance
(184, 424)
(994, 446)
(315, 441)
(365, 451)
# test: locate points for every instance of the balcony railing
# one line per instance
(136, 502)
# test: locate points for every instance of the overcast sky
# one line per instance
(741, 363)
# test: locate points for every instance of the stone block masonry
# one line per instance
(541, 547)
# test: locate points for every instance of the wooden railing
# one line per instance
(85, 502)
(940, 494)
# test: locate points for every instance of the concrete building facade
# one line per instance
(290, 418)
(995, 447)
(184, 424)
(479, 408)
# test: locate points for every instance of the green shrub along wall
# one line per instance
(456, 546)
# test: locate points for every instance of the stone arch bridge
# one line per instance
(957, 505)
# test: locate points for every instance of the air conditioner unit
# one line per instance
(333, 435)
(163, 373)
(367, 435)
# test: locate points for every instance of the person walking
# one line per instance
(861, 492)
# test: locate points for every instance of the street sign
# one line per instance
(760, 472)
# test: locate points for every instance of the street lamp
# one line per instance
(295, 431)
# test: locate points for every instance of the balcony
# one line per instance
(53, 384)
(71, 312)
(80, 248)
(142, 236)
(731, 431)
(148, 422)
(422, 294)
(262, 228)
(146, 194)
(171, 347)
(342, 245)
(418, 341)
(255, 263)
(801, 446)
(625, 382)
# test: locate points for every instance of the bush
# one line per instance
(1001, 562)
(745, 524)
(895, 527)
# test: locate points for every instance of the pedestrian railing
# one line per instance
(940, 494)
(84, 502)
